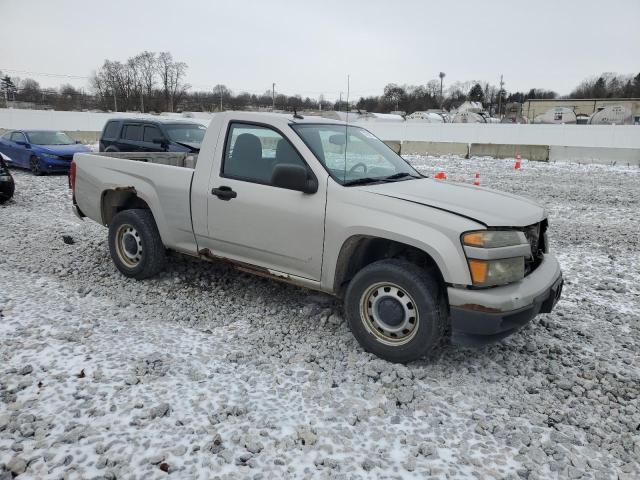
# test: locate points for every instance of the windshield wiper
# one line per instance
(363, 180)
(398, 175)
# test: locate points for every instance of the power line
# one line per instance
(44, 74)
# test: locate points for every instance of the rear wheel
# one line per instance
(135, 244)
(35, 166)
(396, 310)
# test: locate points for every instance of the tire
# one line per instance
(111, 149)
(35, 166)
(396, 310)
(135, 244)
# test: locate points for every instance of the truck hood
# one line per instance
(490, 207)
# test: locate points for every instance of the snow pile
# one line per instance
(205, 371)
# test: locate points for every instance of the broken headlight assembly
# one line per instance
(496, 257)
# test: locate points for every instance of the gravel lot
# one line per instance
(207, 372)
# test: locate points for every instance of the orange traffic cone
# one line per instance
(476, 182)
(440, 176)
(518, 164)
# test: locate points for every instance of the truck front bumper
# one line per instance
(487, 315)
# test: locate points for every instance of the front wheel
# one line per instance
(135, 244)
(35, 166)
(396, 310)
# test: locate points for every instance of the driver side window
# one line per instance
(253, 151)
(18, 137)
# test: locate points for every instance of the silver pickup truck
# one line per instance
(328, 206)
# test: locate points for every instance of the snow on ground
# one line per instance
(207, 372)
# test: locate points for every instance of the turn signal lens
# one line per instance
(474, 239)
(489, 273)
(478, 270)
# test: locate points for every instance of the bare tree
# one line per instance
(221, 95)
(147, 63)
(171, 76)
(29, 91)
(135, 74)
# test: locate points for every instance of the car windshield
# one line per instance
(353, 155)
(186, 133)
(50, 138)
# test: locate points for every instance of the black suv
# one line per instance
(151, 135)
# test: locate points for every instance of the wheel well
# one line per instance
(359, 251)
(115, 201)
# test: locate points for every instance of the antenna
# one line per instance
(346, 132)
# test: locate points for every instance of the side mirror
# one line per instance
(294, 177)
(24, 144)
(161, 141)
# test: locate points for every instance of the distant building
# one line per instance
(532, 108)
(612, 115)
(468, 106)
(21, 105)
(513, 114)
(427, 117)
(468, 117)
(561, 115)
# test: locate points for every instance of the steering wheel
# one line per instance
(359, 164)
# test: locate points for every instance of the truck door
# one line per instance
(252, 221)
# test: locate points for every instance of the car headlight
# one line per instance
(496, 257)
(52, 156)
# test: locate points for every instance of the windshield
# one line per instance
(352, 155)
(50, 138)
(186, 133)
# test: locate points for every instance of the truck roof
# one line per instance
(281, 118)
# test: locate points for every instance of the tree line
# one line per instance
(155, 82)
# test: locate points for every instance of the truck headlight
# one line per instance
(492, 238)
(496, 257)
(489, 273)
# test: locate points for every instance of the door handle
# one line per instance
(224, 193)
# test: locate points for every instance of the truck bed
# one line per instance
(175, 159)
(161, 180)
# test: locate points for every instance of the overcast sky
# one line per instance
(309, 47)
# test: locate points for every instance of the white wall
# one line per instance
(70, 121)
(613, 136)
(618, 136)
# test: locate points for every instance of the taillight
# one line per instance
(72, 178)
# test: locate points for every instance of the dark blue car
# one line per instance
(41, 151)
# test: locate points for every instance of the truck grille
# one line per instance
(535, 236)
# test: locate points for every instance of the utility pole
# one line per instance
(115, 101)
(340, 103)
(220, 99)
(500, 98)
(273, 97)
(441, 75)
